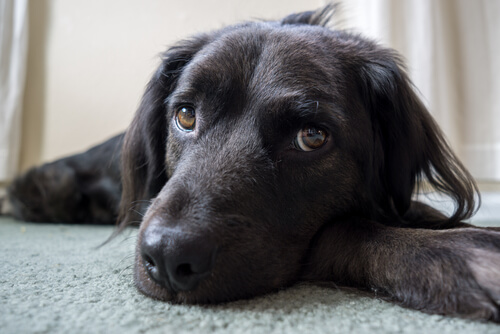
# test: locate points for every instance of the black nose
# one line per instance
(176, 259)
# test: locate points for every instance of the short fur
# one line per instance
(236, 199)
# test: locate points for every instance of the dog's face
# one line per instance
(250, 140)
(259, 154)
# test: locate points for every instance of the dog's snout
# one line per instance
(175, 260)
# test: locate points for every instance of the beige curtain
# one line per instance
(13, 45)
(452, 48)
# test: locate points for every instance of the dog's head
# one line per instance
(250, 139)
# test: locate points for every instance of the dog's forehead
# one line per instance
(260, 61)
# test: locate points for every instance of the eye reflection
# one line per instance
(186, 118)
(309, 138)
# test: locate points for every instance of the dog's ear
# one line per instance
(409, 147)
(143, 153)
(320, 17)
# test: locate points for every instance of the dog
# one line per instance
(267, 153)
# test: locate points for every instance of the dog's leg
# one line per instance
(453, 271)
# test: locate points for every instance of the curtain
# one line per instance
(13, 47)
(452, 49)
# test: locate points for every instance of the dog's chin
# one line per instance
(213, 290)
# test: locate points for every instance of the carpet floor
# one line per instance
(54, 279)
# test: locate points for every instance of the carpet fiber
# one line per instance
(53, 279)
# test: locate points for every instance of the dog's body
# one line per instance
(82, 188)
(271, 152)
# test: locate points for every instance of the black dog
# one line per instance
(271, 152)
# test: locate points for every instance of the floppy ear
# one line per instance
(409, 146)
(143, 153)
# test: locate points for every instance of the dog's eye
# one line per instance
(309, 138)
(186, 119)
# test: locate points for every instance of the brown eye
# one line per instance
(186, 119)
(309, 139)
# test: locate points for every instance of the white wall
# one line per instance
(89, 61)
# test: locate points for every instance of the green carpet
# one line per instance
(54, 280)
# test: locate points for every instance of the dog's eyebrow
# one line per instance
(307, 109)
(181, 96)
(303, 108)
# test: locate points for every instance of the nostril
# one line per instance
(152, 268)
(148, 262)
(184, 270)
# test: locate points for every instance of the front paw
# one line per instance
(448, 272)
(484, 264)
(460, 275)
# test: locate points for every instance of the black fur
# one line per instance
(83, 188)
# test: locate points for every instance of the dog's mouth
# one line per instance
(211, 287)
(231, 274)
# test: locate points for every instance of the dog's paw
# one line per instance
(484, 264)
(462, 275)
